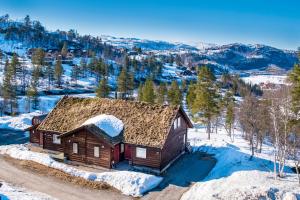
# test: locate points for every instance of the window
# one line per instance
(75, 148)
(56, 139)
(178, 122)
(96, 152)
(175, 124)
(141, 152)
(122, 148)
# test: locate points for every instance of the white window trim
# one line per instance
(175, 124)
(55, 139)
(75, 148)
(141, 152)
(178, 122)
(96, 152)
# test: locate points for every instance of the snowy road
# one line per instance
(52, 186)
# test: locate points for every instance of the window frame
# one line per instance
(178, 122)
(55, 139)
(77, 149)
(141, 152)
(175, 124)
(96, 154)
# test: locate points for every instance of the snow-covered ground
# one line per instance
(11, 192)
(235, 176)
(20, 122)
(257, 79)
(128, 182)
(23, 121)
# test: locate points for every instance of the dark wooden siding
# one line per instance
(152, 157)
(34, 136)
(175, 143)
(86, 142)
(48, 142)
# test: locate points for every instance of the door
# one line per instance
(117, 153)
(127, 152)
(122, 151)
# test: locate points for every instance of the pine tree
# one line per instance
(161, 93)
(127, 62)
(130, 83)
(122, 81)
(140, 92)
(64, 50)
(7, 85)
(32, 95)
(58, 72)
(148, 91)
(191, 95)
(49, 72)
(125, 83)
(15, 67)
(38, 57)
(27, 21)
(103, 89)
(206, 97)
(294, 77)
(83, 67)
(75, 73)
(184, 85)
(174, 94)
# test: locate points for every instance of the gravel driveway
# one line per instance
(188, 169)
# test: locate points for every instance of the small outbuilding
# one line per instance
(103, 132)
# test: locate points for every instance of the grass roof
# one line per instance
(144, 124)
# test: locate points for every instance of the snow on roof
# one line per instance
(107, 123)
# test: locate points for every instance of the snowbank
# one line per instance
(10, 192)
(129, 183)
(20, 122)
(235, 176)
(108, 123)
(257, 79)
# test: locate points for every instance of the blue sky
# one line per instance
(272, 22)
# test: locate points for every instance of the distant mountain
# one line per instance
(232, 56)
(19, 36)
(148, 45)
(247, 57)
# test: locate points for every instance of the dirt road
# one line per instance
(53, 186)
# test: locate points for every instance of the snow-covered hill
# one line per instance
(149, 45)
(18, 37)
(234, 56)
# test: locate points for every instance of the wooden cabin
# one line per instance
(152, 136)
(34, 134)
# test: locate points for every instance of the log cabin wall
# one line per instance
(152, 156)
(34, 136)
(48, 142)
(175, 143)
(86, 142)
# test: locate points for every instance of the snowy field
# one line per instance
(235, 176)
(11, 192)
(265, 79)
(23, 121)
(128, 182)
